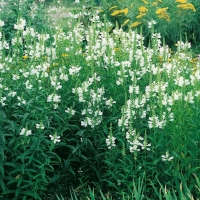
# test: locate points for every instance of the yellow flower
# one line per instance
(195, 69)
(116, 49)
(55, 64)
(140, 15)
(117, 12)
(187, 6)
(25, 57)
(125, 22)
(112, 8)
(144, 1)
(161, 10)
(160, 58)
(164, 15)
(65, 55)
(135, 24)
(181, 1)
(126, 11)
(18, 176)
(143, 9)
(160, 1)
(154, 3)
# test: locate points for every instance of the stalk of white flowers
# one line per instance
(25, 131)
(53, 98)
(155, 122)
(74, 70)
(167, 157)
(20, 24)
(70, 111)
(55, 83)
(55, 138)
(2, 101)
(151, 23)
(183, 46)
(21, 101)
(39, 126)
(110, 102)
(110, 141)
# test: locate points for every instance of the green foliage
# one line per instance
(171, 23)
(89, 108)
(162, 193)
(32, 11)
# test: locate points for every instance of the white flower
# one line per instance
(110, 102)
(55, 138)
(15, 77)
(26, 132)
(12, 94)
(56, 98)
(53, 98)
(63, 77)
(151, 23)
(167, 157)
(55, 106)
(20, 24)
(74, 70)
(39, 126)
(1, 23)
(2, 101)
(22, 132)
(70, 111)
(110, 141)
(77, 1)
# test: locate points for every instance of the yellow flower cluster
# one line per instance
(117, 12)
(143, 10)
(187, 6)
(164, 15)
(161, 12)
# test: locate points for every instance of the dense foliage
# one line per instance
(93, 108)
(174, 18)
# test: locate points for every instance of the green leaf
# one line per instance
(2, 183)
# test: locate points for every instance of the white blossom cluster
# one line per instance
(25, 132)
(136, 142)
(21, 23)
(110, 141)
(55, 138)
